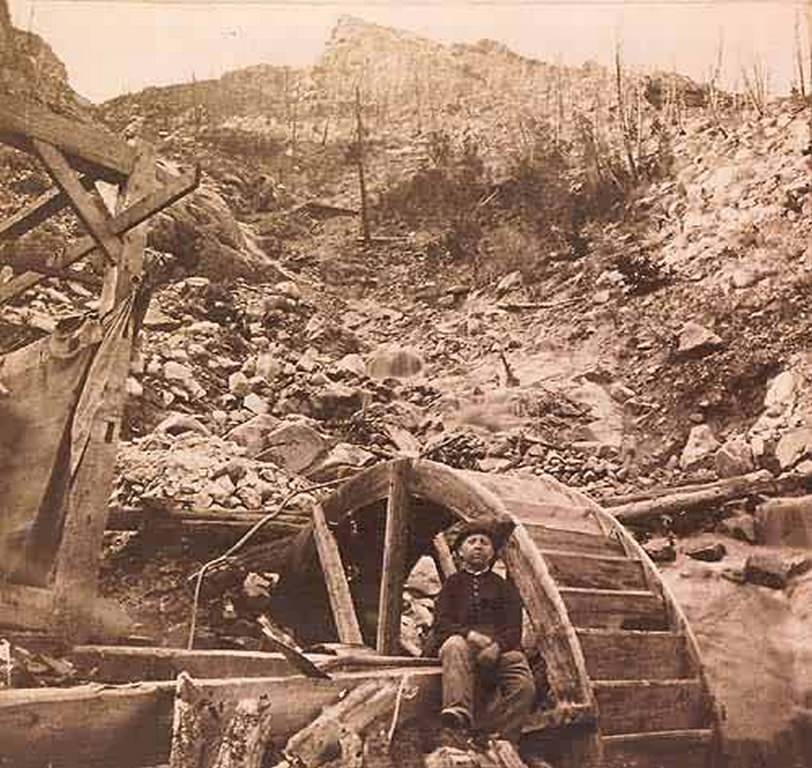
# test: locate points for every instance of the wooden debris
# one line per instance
(246, 737)
(499, 754)
(341, 725)
(443, 557)
(294, 656)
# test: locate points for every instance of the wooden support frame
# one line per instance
(95, 219)
(77, 563)
(130, 217)
(46, 205)
(335, 577)
(90, 149)
(394, 558)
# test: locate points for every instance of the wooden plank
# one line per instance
(637, 706)
(335, 577)
(614, 609)
(86, 208)
(659, 749)
(87, 725)
(629, 655)
(551, 513)
(573, 541)
(577, 569)
(22, 120)
(395, 545)
(129, 726)
(126, 664)
(131, 217)
(79, 556)
(25, 607)
(32, 215)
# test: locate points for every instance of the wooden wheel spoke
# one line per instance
(338, 588)
(394, 559)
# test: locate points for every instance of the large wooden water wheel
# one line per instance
(624, 667)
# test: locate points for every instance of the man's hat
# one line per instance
(497, 531)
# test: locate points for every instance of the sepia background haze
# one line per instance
(115, 46)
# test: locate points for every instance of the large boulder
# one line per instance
(253, 434)
(793, 446)
(296, 446)
(695, 339)
(701, 444)
(394, 361)
(734, 458)
(786, 522)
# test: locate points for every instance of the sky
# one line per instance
(117, 46)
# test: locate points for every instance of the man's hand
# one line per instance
(489, 655)
(477, 639)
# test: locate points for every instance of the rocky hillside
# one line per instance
(610, 290)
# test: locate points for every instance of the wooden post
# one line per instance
(394, 558)
(360, 156)
(77, 565)
(338, 589)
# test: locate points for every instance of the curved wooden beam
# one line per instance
(463, 495)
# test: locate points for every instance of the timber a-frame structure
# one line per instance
(76, 156)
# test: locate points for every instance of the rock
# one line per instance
(695, 339)
(157, 320)
(741, 527)
(767, 570)
(256, 404)
(510, 282)
(394, 361)
(176, 371)
(709, 553)
(343, 458)
(178, 423)
(253, 434)
(786, 522)
(352, 363)
(268, 366)
(661, 550)
(781, 392)
(424, 578)
(735, 457)
(221, 489)
(288, 288)
(330, 337)
(296, 447)
(235, 469)
(620, 393)
(793, 446)
(335, 400)
(701, 443)
(308, 362)
(238, 384)
(134, 387)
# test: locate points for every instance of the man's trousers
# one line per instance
(494, 701)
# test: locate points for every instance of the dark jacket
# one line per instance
(485, 602)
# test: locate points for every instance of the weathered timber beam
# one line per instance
(25, 607)
(335, 578)
(394, 558)
(46, 205)
(22, 120)
(716, 493)
(130, 726)
(95, 219)
(129, 664)
(130, 217)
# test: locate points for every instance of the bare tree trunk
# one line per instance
(361, 179)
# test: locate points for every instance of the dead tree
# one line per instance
(359, 157)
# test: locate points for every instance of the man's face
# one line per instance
(477, 551)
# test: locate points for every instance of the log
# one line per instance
(193, 725)
(443, 557)
(321, 741)
(716, 493)
(246, 737)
